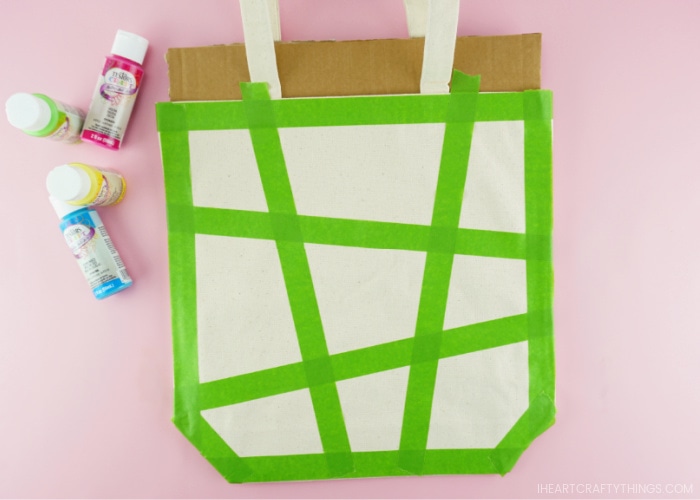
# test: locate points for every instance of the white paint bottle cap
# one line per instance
(68, 183)
(62, 208)
(27, 112)
(130, 46)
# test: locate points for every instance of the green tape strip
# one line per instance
(302, 300)
(538, 105)
(438, 269)
(491, 244)
(215, 449)
(297, 277)
(328, 112)
(186, 116)
(537, 418)
(178, 188)
(354, 233)
(357, 363)
(369, 464)
(366, 234)
(486, 335)
(238, 223)
(171, 117)
(250, 386)
(369, 360)
(378, 110)
(538, 222)
(181, 256)
(181, 251)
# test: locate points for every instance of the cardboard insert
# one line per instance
(362, 67)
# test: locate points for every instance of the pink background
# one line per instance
(85, 386)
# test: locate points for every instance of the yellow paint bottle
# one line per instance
(80, 184)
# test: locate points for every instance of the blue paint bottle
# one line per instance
(92, 248)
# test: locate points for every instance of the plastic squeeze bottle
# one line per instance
(92, 248)
(116, 91)
(80, 184)
(41, 116)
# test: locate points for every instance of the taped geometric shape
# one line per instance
(478, 397)
(224, 171)
(370, 172)
(484, 289)
(365, 296)
(244, 319)
(373, 409)
(340, 381)
(277, 425)
(494, 196)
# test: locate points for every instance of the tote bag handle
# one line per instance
(434, 19)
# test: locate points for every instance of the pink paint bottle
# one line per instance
(116, 92)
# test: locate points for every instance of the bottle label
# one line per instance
(117, 84)
(70, 123)
(93, 249)
(112, 103)
(111, 190)
(61, 134)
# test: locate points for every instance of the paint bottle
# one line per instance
(92, 248)
(116, 91)
(80, 184)
(41, 116)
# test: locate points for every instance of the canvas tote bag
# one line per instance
(360, 285)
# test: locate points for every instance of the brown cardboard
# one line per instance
(391, 66)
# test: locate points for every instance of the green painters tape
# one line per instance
(217, 452)
(356, 233)
(538, 105)
(538, 222)
(181, 256)
(297, 277)
(265, 383)
(238, 223)
(356, 363)
(536, 419)
(335, 111)
(171, 117)
(438, 269)
(319, 371)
